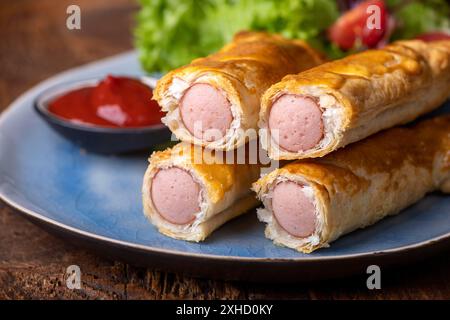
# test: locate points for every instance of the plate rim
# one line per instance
(34, 90)
(130, 245)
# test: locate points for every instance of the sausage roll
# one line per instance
(214, 100)
(189, 191)
(327, 107)
(310, 203)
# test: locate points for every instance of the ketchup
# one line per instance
(114, 102)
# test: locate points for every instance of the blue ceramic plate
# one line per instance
(96, 200)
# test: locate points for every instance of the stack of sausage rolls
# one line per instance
(347, 168)
(213, 105)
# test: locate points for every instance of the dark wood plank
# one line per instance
(35, 45)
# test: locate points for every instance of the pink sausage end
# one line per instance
(175, 195)
(295, 123)
(206, 112)
(293, 210)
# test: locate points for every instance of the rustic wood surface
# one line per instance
(34, 44)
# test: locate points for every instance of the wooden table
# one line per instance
(35, 44)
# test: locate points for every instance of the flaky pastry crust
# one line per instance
(364, 182)
(365, 93)
(242, 70)
(225, 189)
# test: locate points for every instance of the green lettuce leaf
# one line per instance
(170, 33)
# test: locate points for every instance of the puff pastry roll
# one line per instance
(310, 203)
(214, 100)
(190, 191)
(327, 107)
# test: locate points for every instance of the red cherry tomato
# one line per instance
(433, 36)
(352, 26)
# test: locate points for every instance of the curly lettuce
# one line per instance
(170, 33)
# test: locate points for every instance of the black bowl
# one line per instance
(97, 138)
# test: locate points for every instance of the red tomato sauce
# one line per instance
(114, 102)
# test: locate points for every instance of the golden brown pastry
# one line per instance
(190, 191)
(214, 100)
(310, 203)
(327, 107)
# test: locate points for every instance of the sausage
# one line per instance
(293, 209)
(206, 112)
(175, 195)
(296, 123)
